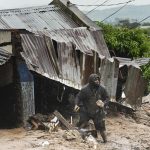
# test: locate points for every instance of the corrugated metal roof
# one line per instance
(35, 18)
(83, 39)
(41, 57)
(36, 54)
(136, 62)
(80, 37)
(123, 60)
(62, 63)
(4, 56)
(53, 19)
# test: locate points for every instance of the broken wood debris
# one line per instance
(115, 106)
(43, 122)
(71, 135)
(51, 124)
(48, 122)
(37, 124)
(63, 120)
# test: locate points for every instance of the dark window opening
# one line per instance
(8, 107)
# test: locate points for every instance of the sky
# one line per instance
(10, 4)
(98, 2)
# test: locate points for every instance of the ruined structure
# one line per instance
(46, 54)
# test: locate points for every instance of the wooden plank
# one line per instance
(63, 120)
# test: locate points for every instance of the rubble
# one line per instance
(43, 122)
(123, 133)
(63, 120)
(142, 115)
(72, 135)
(91, 141)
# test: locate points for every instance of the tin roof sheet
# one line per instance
(134, 87)
(136, 62)
(40, 57)
(35, 18)
(142, 61)
(83, 39)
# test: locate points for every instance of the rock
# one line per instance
(71, 135)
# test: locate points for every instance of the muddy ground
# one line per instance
(123, 134)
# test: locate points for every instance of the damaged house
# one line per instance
(46, 56)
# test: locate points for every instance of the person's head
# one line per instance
(94, 80)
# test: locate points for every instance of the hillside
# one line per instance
(130, 11)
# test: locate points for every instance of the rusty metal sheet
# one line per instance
(134, 87)
(69, 63)
(109, 69)
(35, 18)
(82, 39)
(100, 42)
(38, 53)
(53, 18)
(61, 64)
(4, 56)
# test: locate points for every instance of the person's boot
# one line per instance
(103, 135)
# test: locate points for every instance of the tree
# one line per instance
(129, 43)
(125, 42)
(127, 23)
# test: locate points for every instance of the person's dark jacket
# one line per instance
(90, 94)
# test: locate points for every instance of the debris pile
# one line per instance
(142, 115)
(55, 122)
(43, 122)
(71, 135)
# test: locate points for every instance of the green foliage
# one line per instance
(131, 43)
(147, 31)
(146, 70)
(146, 74)
(126, 42)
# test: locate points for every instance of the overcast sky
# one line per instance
(8, 4)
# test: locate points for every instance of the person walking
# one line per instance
(91, 102)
